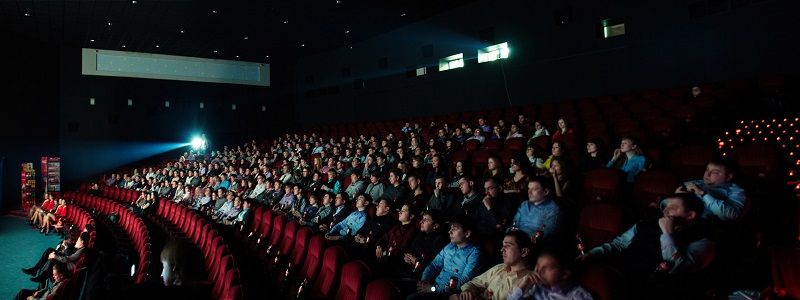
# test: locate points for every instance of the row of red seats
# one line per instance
(80, 217)
(120, 194)
(649, 107)
(323, 267)
(133, 226)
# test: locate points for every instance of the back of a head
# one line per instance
(182, 263)
(691, 202)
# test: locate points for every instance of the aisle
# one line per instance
(20, 247)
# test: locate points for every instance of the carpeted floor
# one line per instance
(20, 247)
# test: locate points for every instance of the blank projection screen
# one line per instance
(157, 66)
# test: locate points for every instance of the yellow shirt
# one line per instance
(499, 279)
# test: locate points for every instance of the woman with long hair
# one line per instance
(517, 181)
(629, 158)
(558, 149)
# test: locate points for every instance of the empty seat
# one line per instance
(353, 284)
(324, 286)
(515, 144)
(652, 186)
(277, 230)
(602, 185)
(313, 260)
(689, 161)
(599, 223)
(603, 282)
(785, 272)
(480, 157)
(289, 232)
(471, 145)
(233, 293)
(757, 160)
(382, 289)
(300, 242)
(492, 145)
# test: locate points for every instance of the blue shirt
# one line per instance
(225, 184)
(354, 221)
(531, 217)
(287, 200)
(726, 201)
(452, 261)
(633, 165)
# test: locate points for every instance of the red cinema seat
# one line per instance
(353, 284)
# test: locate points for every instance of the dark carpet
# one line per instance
(20, 247)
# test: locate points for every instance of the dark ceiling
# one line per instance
(261, 31)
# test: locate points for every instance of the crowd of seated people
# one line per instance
(53, 268)
(367, 193)
(50, 214)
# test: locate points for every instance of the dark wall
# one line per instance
(667, 44)
(47, 113)
(110, 133)
(29, 118)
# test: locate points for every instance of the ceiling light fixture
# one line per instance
(134, 2)
(302, 45)
(403, 14)
(109, 24)
(214, 11)
(91, 41)
(286, 22)
(347, 31)
(215, 51)
(267, 56)
(123, 46)
(182, 31)
(157, 46)
(237, 56)
(338, 1)
(246, 38)
(27, 14)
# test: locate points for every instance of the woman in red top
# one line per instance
(562, 130)
(37, 213)
(61, 212)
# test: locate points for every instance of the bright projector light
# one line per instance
(198, 143)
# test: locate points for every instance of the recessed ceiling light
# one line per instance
(27, 14)
(237, 56)
(214, 11)
(246, 38)
(285, 21)
(157, 46)
(134, 1)
(109, 24)
(183, 31)
(267, 56)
